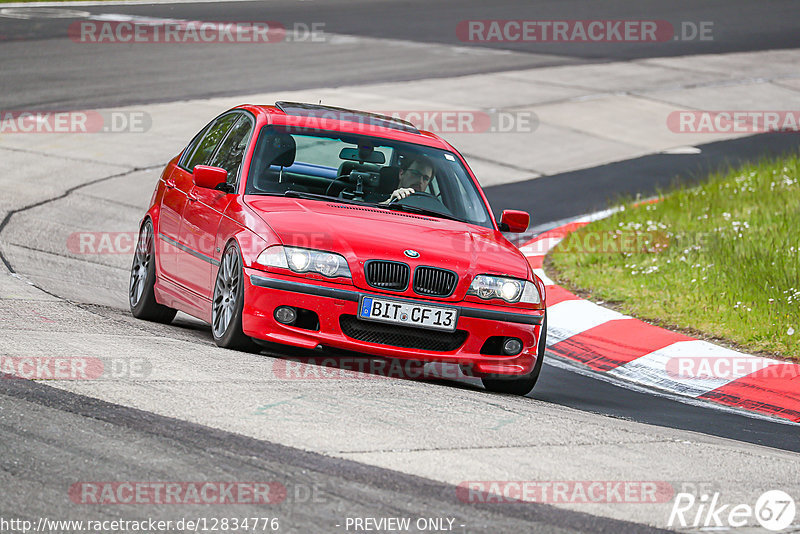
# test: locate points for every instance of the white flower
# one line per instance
(790, 332)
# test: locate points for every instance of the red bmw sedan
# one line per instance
(320, 227)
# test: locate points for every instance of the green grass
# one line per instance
(720, 260)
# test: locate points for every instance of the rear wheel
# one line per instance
(524, 384)
(141, 290)
(228, 303)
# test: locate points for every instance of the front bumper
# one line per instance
(331, 302)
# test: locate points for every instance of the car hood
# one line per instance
(362, 233)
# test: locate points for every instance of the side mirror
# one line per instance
(209, 177)
(514, 221)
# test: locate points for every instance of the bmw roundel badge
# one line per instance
(411, 253)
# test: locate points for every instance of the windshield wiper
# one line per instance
(420, 211)
(394, 207)
(313, 196)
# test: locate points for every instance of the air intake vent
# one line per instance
(383, 211)
(433, 282)
(401, 336)
(388, 275)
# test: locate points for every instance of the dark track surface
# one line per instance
(46, 455)
(570, 194)
(43, 69)
(51, 438)
(552, 198)
(566, 388)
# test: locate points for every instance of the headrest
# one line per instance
(346, 168)
(281, 150)
(390, 179)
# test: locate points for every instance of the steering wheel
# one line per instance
(426, 201)
(341, 181)
(423, 194)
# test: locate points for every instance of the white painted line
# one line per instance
(682, 150)
(26, 14)
(681, 371)
(591, 217)
(560, 362)
(87, 3)
(691, 367)
(572, 317)
(545, 279)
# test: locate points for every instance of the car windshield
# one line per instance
(364, 169)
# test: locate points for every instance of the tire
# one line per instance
(228, 302)
(520, 385)
(141, 288)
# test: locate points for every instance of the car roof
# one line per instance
(300, 109)
(330, 118)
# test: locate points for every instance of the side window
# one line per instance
(230, 153)
(205, 148)
(433, 187)
(192, 145)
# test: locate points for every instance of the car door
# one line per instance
(204, 211)
(182, 184)
(177, 184)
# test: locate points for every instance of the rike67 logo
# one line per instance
(774, 510)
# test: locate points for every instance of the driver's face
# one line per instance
(417, 177)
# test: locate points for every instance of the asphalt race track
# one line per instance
(350, 448)
(34, 50)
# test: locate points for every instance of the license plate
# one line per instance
(408, 313)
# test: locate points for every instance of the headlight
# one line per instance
(299, 259)
(509, 289)
(303, 260)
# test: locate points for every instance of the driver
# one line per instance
(416, 173)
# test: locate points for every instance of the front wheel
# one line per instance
(141, 289)
(228, 303)
(524, 384)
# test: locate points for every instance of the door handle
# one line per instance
(192, 198)
(170, 183)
